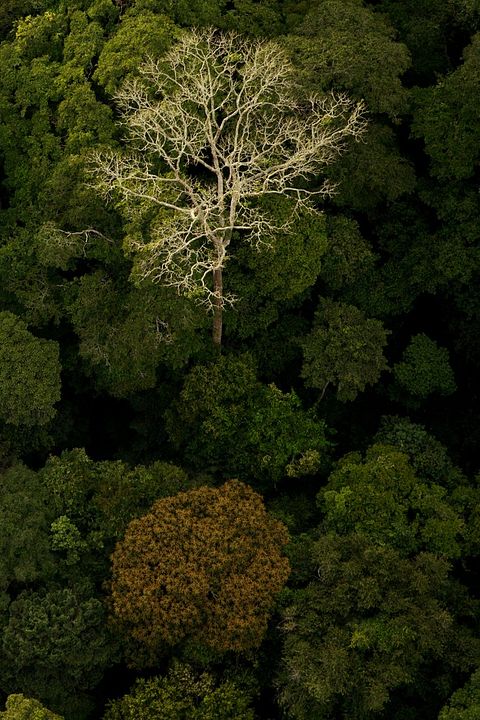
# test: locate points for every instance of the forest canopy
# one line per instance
(239, 350)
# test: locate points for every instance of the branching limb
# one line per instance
(215, 126)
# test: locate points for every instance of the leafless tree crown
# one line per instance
(215, 126)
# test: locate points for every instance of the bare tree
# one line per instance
(215, 126)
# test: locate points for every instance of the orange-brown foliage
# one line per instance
(204, 564)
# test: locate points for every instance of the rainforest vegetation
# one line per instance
(239, 351)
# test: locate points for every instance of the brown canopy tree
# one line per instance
(204, 565)
(215, 126)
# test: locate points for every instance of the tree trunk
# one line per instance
(217, 308)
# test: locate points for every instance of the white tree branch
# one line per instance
(215, 126)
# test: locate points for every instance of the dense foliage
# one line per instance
(202, 566)
(183, 695)
(282, 523)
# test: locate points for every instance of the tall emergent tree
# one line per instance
(215, 126)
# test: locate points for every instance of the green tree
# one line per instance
(369, 622)
(448, 521)
(348, 254)
(432, 31)
(124, 493)
(427, 456)
(424, 369)
(29, 374)
(262, 19)
(182, 695)
(140, 34)
(91, 504)
(445, 118)
(268, 284)
(464, 703)
(126, 332)
(202, 566)
(227, 421)
(78, 485)
(56, 647)
(25, 555)
(184, 12)
(49, 116)
(18, 707)
(467, 498)
(342, 44)
(379, 497)
(344, 349)
(12, 10)
(445, 121)
(47, 68)
(373, 174)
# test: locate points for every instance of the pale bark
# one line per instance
(217, 307)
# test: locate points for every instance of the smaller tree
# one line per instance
(56, 647)
(369, 623)
(182, 695)
(227, 421)
(342, 44)
(25, 555)
(125, 332)
(446, 118)
(464, 703)
(270, 284)
(91, 504)
(424, 369)
(383, 499)
(348, 256)
(29, 374)
(19, 707)
(139, 34)
(344, 349)
(427, 456)
(204, 565)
